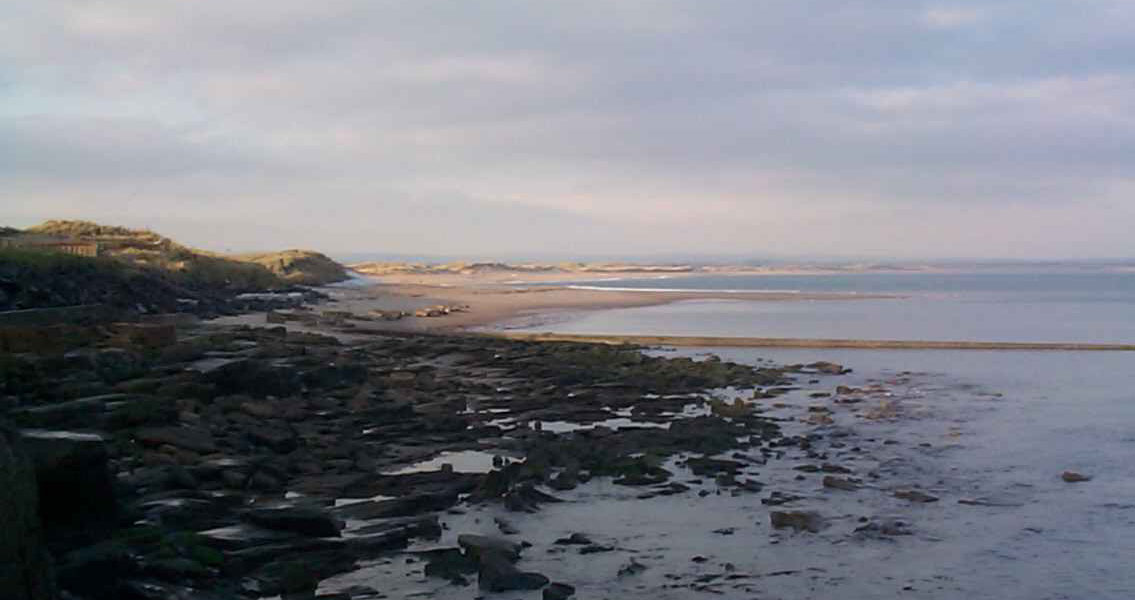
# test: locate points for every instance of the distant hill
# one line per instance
(193, 267)
(138, 268)
(479, 268)
(301, 267)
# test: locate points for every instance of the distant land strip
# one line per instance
(764, 342)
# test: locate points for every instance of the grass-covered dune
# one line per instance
(141, 264)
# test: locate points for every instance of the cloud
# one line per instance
(950, 17)
(645, 125)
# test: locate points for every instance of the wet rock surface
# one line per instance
(254, 462)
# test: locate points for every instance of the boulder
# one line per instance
(477, 545)
(449, 563)
(558, 591)
(575, 539)
(840, 483)
(1074, 477)
(76, 490)
(799, 520)
(252, 377)
(498, 574)
(25, 572)
(828, 368)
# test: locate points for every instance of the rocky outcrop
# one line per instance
(262, 461)
(76, 492)
(25, 572)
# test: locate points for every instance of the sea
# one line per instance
(998, 427)
(989, 434)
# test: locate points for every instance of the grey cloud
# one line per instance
(635, 122)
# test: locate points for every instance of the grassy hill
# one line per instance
(301, 267)
(142, 264)
(146, 248)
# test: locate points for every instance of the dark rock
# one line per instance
(798, 520)
(76, 492)
(477, 545)
(498, 574)
(566, 480)
(526, 498)
(304, 521)
(25, 572)
(96, 571)
(828, 368)
(575, 539)
(142, 411)
(255, 378)
(398, 507)
(294, 576)
(279, 439)
(840, 483)
(884, 527)
(506, 527)
(187, 438)
(778, 498)
(915, 496)
(175, 569)
(449, 563)
(82, 412)
(115, 364)
(558, 591)
(1074, 477)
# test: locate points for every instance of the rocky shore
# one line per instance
(252, 462)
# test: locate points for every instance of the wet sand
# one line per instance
(479, 304)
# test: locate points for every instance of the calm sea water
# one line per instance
(1032, 306)
(1057, 411)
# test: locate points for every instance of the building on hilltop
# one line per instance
(52, 244)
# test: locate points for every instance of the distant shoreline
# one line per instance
(485, 306)
(479, 305)
(766, 342)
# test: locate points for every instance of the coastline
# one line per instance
(529, 313)
(480, 303)
(684, 341)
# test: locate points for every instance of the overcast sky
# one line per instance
(887, 128)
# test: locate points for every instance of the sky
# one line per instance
(896, 129)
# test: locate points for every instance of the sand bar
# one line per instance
(483, 305)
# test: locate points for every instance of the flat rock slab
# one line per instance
(476, 545)
(185, 438)
(800, 520)
(301, 520)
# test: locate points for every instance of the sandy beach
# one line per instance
(470, 302)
